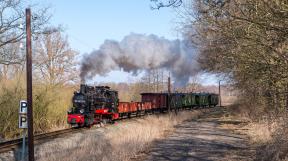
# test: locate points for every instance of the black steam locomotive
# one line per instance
(92, 104)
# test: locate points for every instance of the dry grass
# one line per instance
(268, 133)
(228, 100)
(272, 141)
(117, 142)
(261, 132)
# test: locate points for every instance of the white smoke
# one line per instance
(138, 52)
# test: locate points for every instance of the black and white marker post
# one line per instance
(23, 125)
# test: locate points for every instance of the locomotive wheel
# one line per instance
(81, 125)
(105, 121)
(88, 123)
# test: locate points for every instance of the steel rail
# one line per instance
(16, 143)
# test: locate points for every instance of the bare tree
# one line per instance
(54, 60)
(246, 40)
(12, 60)
(169, 3)
(154, 80)
(12, 20)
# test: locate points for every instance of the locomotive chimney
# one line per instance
(82, 88)
(82, 81)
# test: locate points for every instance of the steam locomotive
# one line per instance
(92, 104)
(95, 104)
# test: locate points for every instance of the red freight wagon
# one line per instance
(146, 106)
(133, 107)
(159, 100)
(123, 107)
(149, 97)
(163, 101)
(140, 106)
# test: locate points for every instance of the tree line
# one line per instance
(246, 43)
(54, 68)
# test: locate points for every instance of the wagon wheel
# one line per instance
(176, 110)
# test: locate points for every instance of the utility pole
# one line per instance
(149, 81)
(169, 94)
(29, 85)
(162, 86)
(157, 80)
(220, 93)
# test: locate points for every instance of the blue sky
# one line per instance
(88, 23)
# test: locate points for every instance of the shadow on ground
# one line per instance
(201, 140)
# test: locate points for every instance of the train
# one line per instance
(100, 104)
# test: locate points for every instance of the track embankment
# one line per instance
(204, 139)
(120, 141)
(184, 136)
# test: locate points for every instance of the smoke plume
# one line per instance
(138, 52)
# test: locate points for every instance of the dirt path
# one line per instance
(202, 139)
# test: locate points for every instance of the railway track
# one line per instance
(11, 145)
(14, 144)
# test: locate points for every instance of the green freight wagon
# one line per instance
(202, 99)
(176, 100)
(189, 100)
(213, 99)
(185, 100)
(193, 99)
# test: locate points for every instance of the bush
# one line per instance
(267, 129)
(275, 149)
(11, 93)
(49, 107)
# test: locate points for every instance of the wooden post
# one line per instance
(169, 92)
(29, 86)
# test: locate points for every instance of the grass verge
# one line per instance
(268, 134)
(121, 141)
